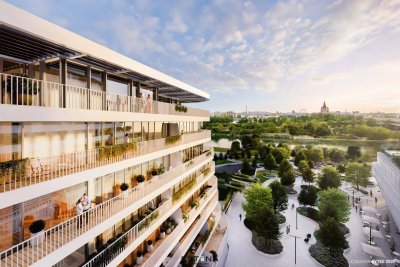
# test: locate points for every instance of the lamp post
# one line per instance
(353, 197)
(296, 219)
(295, 247)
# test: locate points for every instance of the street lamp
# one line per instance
(295, 246)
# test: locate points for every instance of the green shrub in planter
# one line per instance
(161, 169)
(124, 186)
(37, 226)
(140, 178)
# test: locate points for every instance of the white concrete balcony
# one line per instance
(64, 238)
(134, 237)
(190, 236)
(27, 92)
(34, 177)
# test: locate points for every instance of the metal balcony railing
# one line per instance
(19, 90)
(26, 172)
(107, 255)
(35, 248)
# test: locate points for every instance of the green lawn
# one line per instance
(222, 161)
(260, 173)
(220, 149)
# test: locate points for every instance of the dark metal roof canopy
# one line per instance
(25, 48)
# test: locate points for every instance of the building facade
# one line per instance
(101, 163)
(386, 170)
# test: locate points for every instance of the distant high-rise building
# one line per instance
(324, 109)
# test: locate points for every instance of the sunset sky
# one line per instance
(268, 55)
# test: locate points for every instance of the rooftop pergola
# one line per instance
(28, 39)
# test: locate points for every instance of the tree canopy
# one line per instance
(270, 163)
(284, 166)
(288, 178)
(329, 177)
(257, 198)
(333, 203)
(358, 174)
(279, 196)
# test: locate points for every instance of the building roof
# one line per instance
(28, 38)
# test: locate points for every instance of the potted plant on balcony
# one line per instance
(161, 169)
(168, 227)
(140, 178)
(149, 246)
(37, 232)
(139, 257)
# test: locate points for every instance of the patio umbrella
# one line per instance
(370, 219)
(374, 233)
(373, 251)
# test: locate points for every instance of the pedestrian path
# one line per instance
(243, 253)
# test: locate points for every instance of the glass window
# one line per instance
(10, 141)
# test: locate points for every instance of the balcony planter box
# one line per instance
(37, 232)
(149, 246)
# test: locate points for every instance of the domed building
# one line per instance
(324, 109)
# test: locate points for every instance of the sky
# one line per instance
(266, 55)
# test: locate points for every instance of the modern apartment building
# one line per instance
(387, 173)
(78, 118)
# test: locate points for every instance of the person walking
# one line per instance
(376, 200)
(356, 208)
(79, 212)
(240, 217)
(289, 229)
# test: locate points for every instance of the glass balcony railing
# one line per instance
(37, 247)
(21, 173)
(109, 254)
(18, 90)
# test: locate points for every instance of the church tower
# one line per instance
(324, 109)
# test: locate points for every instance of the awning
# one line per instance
(374, 233)
(374, 251)
(370, 219)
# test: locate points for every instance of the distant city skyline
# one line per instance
(268, 55)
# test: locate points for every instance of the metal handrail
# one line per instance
(41, 169)
(18, 90)
(80, 224)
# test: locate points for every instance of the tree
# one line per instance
(235, 147)
(279, 196)
(246, 169)
(341, 168)
(329, 177)
(308, 175)
(269, 163)
(280, 154)
(303, 165)
(266, 225)
(288, 178)
(358, 174)
(254, 163)
(314, 154)
(331, 234)
(310, 164)
(308, 196)
(333, 203)
(248, 154)
(257, 198)
(354, 152)
(284, 166)
(337, 155)
(299, 157)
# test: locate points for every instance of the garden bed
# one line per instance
(329, 257)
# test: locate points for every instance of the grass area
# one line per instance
(222, 161)
(220, 149)
(260, 175)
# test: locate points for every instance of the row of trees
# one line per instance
(313, 125)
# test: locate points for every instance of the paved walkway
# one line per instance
(243, 253)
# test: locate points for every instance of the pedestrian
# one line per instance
(376, 200)
(356, 208)
(289, 229)
(240, 217)
(370, 192)
(79, 212)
